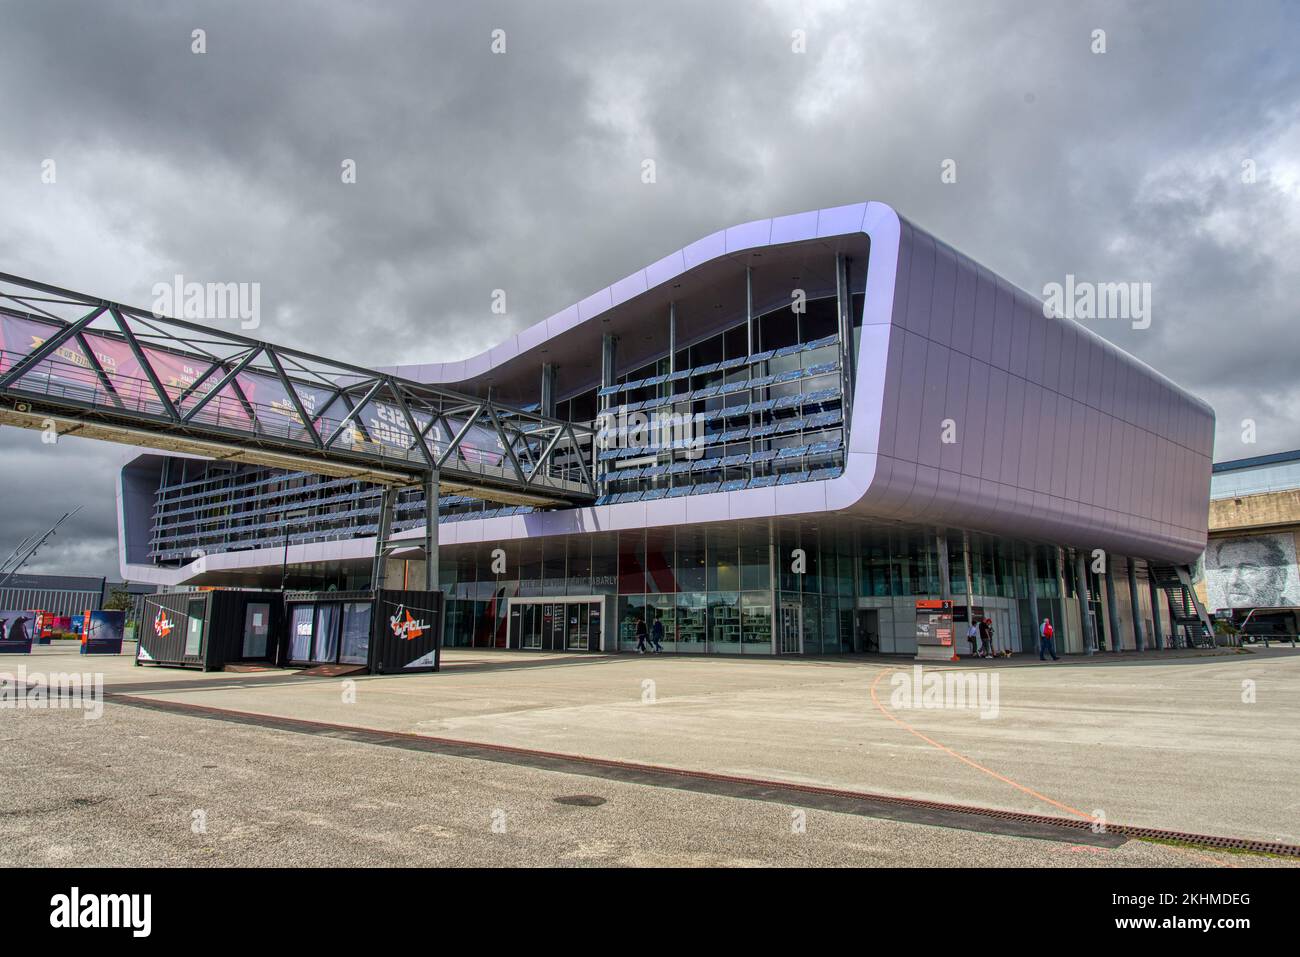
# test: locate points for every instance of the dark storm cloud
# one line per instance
(522, 171)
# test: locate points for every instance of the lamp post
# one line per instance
(284, 562)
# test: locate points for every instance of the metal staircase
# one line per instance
(1189, 615)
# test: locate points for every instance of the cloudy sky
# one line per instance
(521, 170)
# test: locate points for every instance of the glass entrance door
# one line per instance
(572, 625)
(575, 632)
(530, 623)
(791, 628)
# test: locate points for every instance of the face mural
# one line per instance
(1256, 571)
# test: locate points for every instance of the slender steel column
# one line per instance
(845, 303)
(431, 532)
(548, 389)
(1085, 603)
(945, 579)
(1112, 609)
(773, 585)
(1062, 626)
(608, 351)
(1033, 597)
(1139, 629)
(388, 503)
(970, 588)
(1157, 626)
(672, 340)
(749, 310)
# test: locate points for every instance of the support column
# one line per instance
(1112, 609)
(774, 585)
(844, 300)
(672, 340)
(1035, 618)
(608, 353)
(548, 389)
(1062, 626)
(1085, 603)
(385, 532)
(1139, 630)
(608, 350)
(431, 532)
(970, 592)
(945, 577)
(749, 310)
(1157, 626)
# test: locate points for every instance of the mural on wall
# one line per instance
(1252, 571)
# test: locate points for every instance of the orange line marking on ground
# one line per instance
(965, 760)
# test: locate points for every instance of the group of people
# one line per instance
(981, 632)
(655, 634)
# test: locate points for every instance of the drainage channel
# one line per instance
(861, 803)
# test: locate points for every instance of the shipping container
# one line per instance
(385, 632)
(209, 629)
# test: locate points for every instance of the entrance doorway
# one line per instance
(791, 630)
(257, 625)
(556, 624)
(866, 631)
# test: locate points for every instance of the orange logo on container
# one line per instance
(162, 625)
(409, 628)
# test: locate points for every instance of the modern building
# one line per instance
(809, 423)
(63, 594)
(1250, 559)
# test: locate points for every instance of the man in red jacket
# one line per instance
(1046, 642)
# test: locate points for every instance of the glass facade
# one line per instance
(748, 588)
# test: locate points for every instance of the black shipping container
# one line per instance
(208, 629)
(386, 632)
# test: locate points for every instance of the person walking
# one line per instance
(657, 635)
(640, 636)
(986, 638)
(1046, 644)
(972, 636)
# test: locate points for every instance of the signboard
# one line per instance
(934, 622)
(16, 629)
(934, 630)
(407, 626)
(101, 632)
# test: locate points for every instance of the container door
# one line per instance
(326, 647)
(257, 624)
(303, 624)
(195, 610)
(356, 633)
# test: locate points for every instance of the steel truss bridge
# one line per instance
(85, 366)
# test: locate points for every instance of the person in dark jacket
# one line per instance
(641, 635)
(986, 638)
(657, 635)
